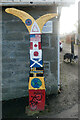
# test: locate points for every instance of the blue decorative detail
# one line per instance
(32, 36)
(28, 22)
(36, 83)
(36, 72)
(36, 63)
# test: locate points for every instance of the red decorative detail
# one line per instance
(36, 53)
(35, 45)
(31, 45)
(35, 29)
(37, 99)
(39, 45)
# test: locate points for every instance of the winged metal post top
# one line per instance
(33, 26)
(36, 83)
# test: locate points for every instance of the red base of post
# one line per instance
(37, 99)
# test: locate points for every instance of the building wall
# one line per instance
(15, 53)
(0, 58)
(38, 2)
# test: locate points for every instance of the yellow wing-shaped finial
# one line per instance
(43, 19)
(27, 19)
(31, 24)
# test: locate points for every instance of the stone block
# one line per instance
(55, 27)
(54, 68)
(23, 46)
(49, 54)
(8, 60)
(45, 40)
(51, 84)
(23, 59)
(53, 41)
(26, 37)
(15, 26)
(8, 17)
(46, 65)
(15, 36)
(46, 72)
(6, 74)
(3, 29)
(10, 66)
(11, 45)
(6, 90)
(21, 54)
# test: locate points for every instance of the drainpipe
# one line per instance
(72, 44)
(59, 13)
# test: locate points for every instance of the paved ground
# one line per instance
(64, 105)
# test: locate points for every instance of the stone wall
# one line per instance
(15, 53)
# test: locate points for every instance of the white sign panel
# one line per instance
(48, 27)
(35, 54)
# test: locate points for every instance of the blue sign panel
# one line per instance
(36, 63)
